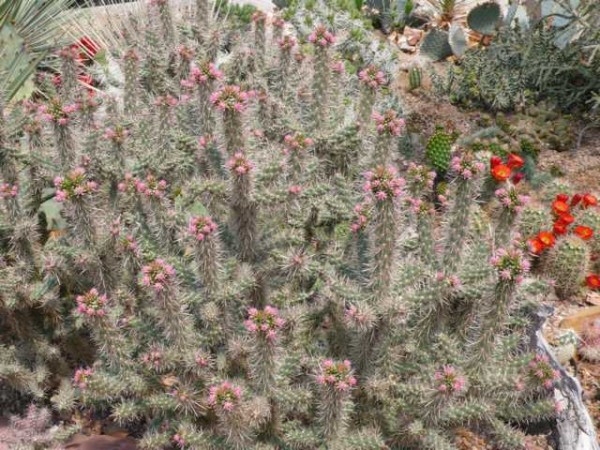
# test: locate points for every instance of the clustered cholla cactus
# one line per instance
(239, 288)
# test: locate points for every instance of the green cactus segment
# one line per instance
(414, 78)
(567, 265)
(457, 40)
(438, 151)
(484, 18)
(435, 45)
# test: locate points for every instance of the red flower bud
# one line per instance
(517, 177)
(565, 219)
(515, 161)
(589, 200)
(562, 198)
(495, 161)
(583, 232)
(576, 199)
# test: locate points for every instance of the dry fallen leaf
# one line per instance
(581, 318)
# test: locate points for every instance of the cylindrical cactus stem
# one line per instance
(425, 213)
(75, 189)
(207, 251)
(166, 20)
(8, 168)
(389, 126)
(466, 168)
(61, 116)
(511, 266)
(116, 136)
(154, 66)
(231, 101)
(202, 17)
(336, 382)
(511, 204)
(383, 186)
(322, 39)
(10, 194)
(567, 264)
(156, 209)
(94, 308)
(131, 70)
(263, 326)
(260, 39)
(362, 212)
(371, 79)
(185, 56)
(165, 106)
(33, 131)
(286, 46)
(243, 206)
(226, 401)
(296, 146)
(68, 77)
(278, 25)
(159, 277)
(203, 78)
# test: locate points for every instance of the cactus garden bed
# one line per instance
(226, 229)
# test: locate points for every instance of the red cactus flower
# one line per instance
(546, 238)
(515, 161)
(501, 172)
(565, 219)
(589, 200)
(576, 199)
(495, 161)
(559, 207)
(593, 281)
(562, 198)
(559, 228)
(583, 232)
(535, 246)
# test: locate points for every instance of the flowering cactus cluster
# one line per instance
(258, 267)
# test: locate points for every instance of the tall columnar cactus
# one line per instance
(163, 8)
(371, 79)
(207, 252)
(286, 45)
(259, 19)
(388, 126)
(511, 266)
(511, 205)
(336, 382)
(383, 186)
(68, 76)
(322, 40)
(202, 79)
(131, 71)
(61, 116)
(243, 206)
(75, 190)
(231, 101)
(466, 168)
